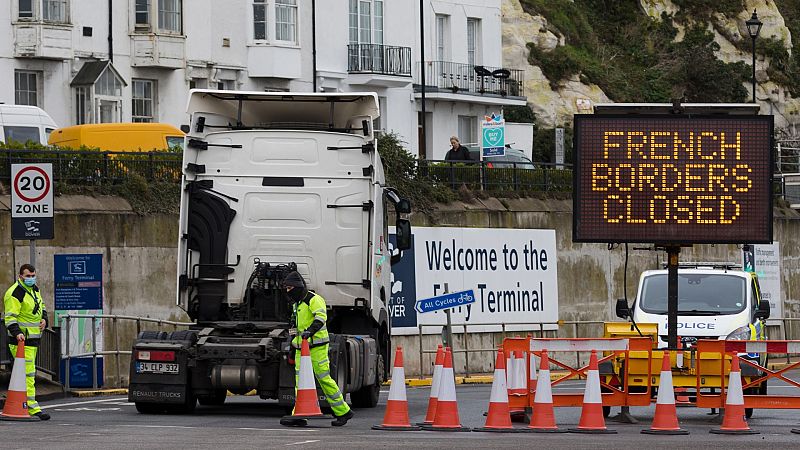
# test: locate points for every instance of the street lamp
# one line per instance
(753, 28)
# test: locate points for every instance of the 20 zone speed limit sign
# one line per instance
(32, 201)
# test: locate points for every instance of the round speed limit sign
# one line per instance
(32, 201)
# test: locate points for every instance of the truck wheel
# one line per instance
(216, 399)
(187, 407)
(367, 397)
(149, 408)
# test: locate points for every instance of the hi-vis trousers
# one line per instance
(321, 364)
(30, 376)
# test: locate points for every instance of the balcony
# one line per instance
(158, 50)
(484, 84)
(378, 64)
(43, 40)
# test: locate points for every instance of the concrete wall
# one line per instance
(139, 255)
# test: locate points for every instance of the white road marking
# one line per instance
(277, 429)
(86, 409)
(82, 403)
(303, 442)
(159, 426)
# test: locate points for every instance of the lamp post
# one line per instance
(753, 28)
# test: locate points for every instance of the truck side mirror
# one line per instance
(763, 310)
(403, 206)
(622, 308)
(403, 234)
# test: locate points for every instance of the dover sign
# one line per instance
(513, 276)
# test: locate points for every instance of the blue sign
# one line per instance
(80, 372)
(404, 288)
(78, 282)
(445, 301)
(493, 136)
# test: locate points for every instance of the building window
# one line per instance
(26, 88)
(143, 100)
(467, 129)
(366, 21)
(54, 10)
(259, 20)
(25, 9)
(142, 13)
(169, 15)
(473, 41)
(82, 105)
(286, 20)
(442, 23)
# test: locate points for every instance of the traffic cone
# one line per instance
(543, 418)
(520, 378)
(16, 407)
(499, 417)
(681, 399)
(734, 421)
(306, 403)
(396, 416)
(446, 404)
(666, 418)
(437, 376)
(592, 412)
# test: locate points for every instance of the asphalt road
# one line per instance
(247, 422)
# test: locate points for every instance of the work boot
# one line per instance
(42, 415)
(341, 421)
(290, 422)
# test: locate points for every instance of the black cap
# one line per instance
(294, 279)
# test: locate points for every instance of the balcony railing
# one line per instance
(379, 59)
(468, 78)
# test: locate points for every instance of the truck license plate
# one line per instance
(156, 367)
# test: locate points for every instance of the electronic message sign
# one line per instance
(673, 179)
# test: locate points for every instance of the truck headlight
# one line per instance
(739, 334)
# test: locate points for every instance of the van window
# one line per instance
(22, 134)
(175, 143)
(699, 293)
(47, 132)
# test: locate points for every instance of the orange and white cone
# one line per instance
(396, 416)
(666, 418)
(499, 417)
(543, 418)
(16, 407)
(437, 376)
(734, 421)
(592, 420)
(446, 404)
(306, 403)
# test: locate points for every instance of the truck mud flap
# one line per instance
(355, 347)
(370, 361)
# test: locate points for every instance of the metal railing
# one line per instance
(497, 176)
(47, 357)
(116, 352)
(94, 167)
(472, 79)
(380, 59)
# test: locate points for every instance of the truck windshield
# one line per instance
(698, 294)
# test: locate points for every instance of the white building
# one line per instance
(62, 58)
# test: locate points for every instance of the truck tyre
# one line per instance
(187, 407)
(149, 408)
(367, 397)
(215, 399)
(152, 335)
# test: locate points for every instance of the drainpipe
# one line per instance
(422, 69)
(314, 45)
(110, 32)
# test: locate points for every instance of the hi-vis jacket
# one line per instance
(24, 310)
(305, 312)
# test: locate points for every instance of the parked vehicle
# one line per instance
(130, 137)
(513, 158)
(273, 183)
(22, 123)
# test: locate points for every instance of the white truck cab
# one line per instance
(715, 301)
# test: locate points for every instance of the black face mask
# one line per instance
(297, 294)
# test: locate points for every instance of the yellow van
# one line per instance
(121, 137)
